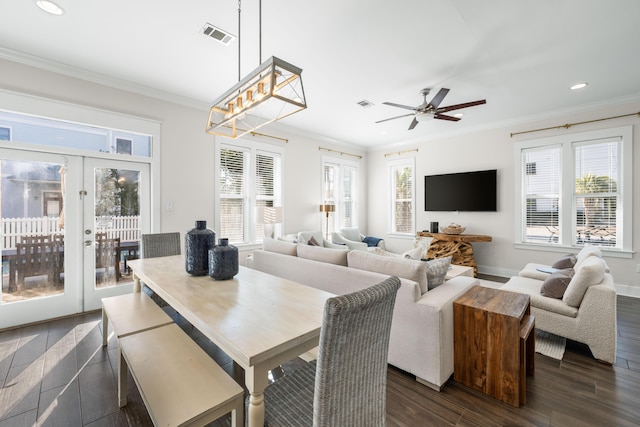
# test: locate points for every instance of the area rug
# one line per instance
(550, 345)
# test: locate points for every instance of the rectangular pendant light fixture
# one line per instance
(269, 93)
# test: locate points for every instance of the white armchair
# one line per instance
(353, 239)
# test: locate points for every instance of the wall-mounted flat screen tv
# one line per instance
(466, 191)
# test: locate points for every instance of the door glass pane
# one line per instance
(32, 211)
(117, 224)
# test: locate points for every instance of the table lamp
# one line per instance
(268, 216)
(327, 209)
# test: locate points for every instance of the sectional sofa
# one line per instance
(421, 340)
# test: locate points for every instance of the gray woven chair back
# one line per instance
(351, 372)
(160, 244)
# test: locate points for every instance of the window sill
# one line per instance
(613, 253)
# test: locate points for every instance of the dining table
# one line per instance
(259, 320)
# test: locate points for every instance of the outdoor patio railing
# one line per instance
(127, 228)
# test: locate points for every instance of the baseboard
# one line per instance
(497, 271)
(628, 291)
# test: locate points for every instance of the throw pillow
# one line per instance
(313, 242)
(436, 271)
(382, 252)
(567, 261)
(556, 284)
(590, 272)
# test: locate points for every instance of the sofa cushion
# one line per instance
(531, 287)
(392, 266)
(436, 271)
(279, 246)
(531, 271)
(590, 272)
(556, 284)
(567, 261)
(318, 253)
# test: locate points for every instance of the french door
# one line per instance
(69, 225)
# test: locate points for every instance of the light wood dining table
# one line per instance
(259, 320)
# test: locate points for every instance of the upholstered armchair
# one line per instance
(353, 239)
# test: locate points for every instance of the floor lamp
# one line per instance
(327, 209)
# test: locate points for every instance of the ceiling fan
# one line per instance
(431, 109)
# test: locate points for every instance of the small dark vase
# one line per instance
(198, 241)
(223, 260)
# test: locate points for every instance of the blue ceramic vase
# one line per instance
(223, 260)
(198, 241)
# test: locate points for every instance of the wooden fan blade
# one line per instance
(438, 98)
(459, 106)
(445, 117)
(406, 107)
(393, 118)
(413, 124)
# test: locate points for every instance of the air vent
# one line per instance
(365, 104)
(217, 34)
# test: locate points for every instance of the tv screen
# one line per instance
(467, 191)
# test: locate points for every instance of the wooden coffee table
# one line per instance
(494, 342)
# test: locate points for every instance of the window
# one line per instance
(580, 192)
(340, 187)
(403, 196)
(250, 175)
(5, 134)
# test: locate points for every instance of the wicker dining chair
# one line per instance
(346, 385)
(160, 244)
(157, 245)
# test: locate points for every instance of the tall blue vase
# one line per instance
(223, 260)
(198, 241)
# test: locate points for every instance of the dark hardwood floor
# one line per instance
(57, 374)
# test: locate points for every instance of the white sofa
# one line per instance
(586, 312)
(422, 330)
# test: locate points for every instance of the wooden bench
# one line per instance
(179, 383)
(130, 314)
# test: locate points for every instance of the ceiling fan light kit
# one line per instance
(270, 92)
(431, 110)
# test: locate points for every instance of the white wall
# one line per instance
(187, 152)
(493, 149)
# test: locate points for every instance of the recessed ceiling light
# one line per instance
(50, 7)
(578, 86)
(458, 115)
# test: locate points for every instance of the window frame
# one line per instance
(567, 209)
(392, 166)
(336, 218)
(250, 196)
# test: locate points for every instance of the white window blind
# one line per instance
(576, 189)
(596, 195)
(339, 187)
(542, 182)
(234, 165)
(402, 197)
(250, 176)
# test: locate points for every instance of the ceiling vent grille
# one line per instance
(365, 104)
(218, 34)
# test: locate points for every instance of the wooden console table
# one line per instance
(494, 342)
(457, 246)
